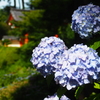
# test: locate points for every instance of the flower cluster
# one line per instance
(86, 20)
(79, 65)
(46, 55)
(55, 97)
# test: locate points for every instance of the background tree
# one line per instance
(3, 26)
(46, 19)
(3, 29)
(50, 17)
(3, 15)
(9, 1)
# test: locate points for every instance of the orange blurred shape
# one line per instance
(26, 40)
(56, 35)
(26, 35)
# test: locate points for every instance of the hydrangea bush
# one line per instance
(79, 65)
(46, 55)
(74, 67)
(86, 20)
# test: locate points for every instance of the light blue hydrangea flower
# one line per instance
(64, 98)
(46, 55)
(55, 97)
(86, 20)
(79, 65)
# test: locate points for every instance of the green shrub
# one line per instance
(35, 88)
(66, 34)
(12, 66)
(15, 70)
(6, 93)
(9, 56)
(26, 53)
(14, 73)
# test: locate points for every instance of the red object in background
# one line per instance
(56, 35)
(26, 35)
(10, 19)
(26, 38)
(21, 43)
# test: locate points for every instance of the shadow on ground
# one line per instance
(36, 89)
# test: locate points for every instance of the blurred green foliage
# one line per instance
(66, 34)
(3, 15)
(13, 68)
(5, 42)
(26, 52)
(9, 56)
(28, 89)
(3, 29)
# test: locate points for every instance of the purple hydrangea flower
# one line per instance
(46, 55)
(86, 20)
(79, 65)
(55, 97)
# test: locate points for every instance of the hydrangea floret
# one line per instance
(79, 65)
(86, 20)
(46, 55)
(55, 97)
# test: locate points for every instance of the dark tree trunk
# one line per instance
(19, 4)
(23, 7)
(14, 3)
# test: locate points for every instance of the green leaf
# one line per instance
(97, 85)
(91, 97)
(95, 45)
(49, 79)
(94, 42)
(61, 91)
(78, 91)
